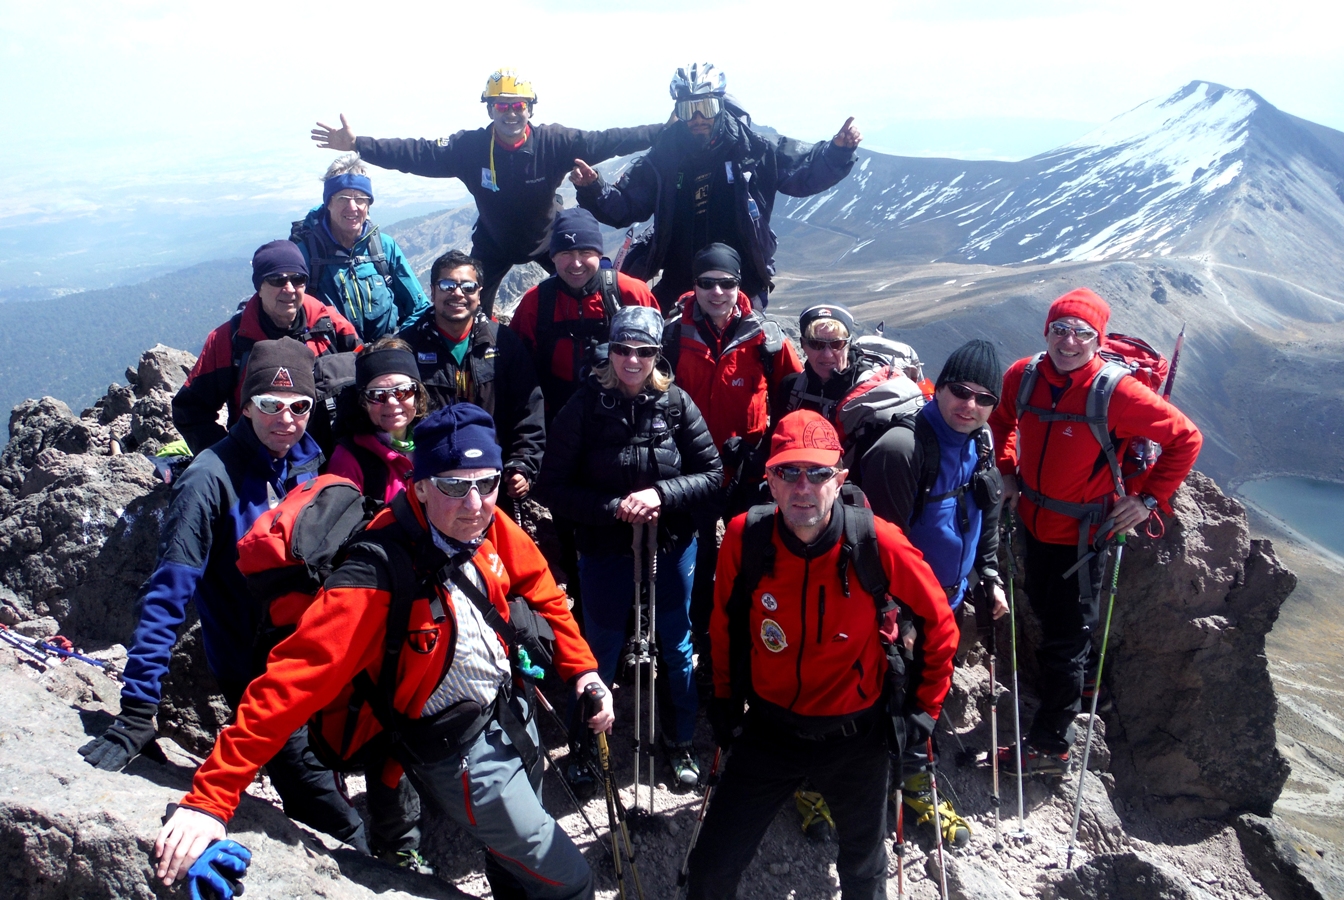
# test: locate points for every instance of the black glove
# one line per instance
(725, 717)
(131, 733)
(918, 728)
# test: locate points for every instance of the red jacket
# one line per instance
(1063, 461)
(524, 323)
(214, 382)
(814, 651)
(731, 391)
(342, 633)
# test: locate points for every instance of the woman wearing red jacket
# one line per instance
(461, 723)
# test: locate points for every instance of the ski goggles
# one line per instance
(723, 284)
(962, 392)
(509, 105)
(279, 281)
(1081, 333)
(401, 393)
(646, 352)
(706, 108)
(457, 488)
(447, 285)
(273, 406)
(820, 345)
(815, 474)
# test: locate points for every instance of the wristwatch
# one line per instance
(1149, 501)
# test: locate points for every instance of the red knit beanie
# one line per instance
(1083, 304)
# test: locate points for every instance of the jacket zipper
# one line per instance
(1049, 430)
(821, 609)
(798, 666)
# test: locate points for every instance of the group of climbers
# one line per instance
(854, 528)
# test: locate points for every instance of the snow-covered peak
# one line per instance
(1201, 119)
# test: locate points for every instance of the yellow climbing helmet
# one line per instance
(505, 84)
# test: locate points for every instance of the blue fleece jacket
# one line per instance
(948, 548)
(213, 504)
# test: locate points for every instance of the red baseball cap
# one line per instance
(804, 436)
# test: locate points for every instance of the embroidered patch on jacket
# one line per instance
(773, 636)
(282, 379)
(423, 640)
(428, 358)
(769, 602)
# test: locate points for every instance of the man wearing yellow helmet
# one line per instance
(512, 169)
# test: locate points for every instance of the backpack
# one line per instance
(300, 233)
(372, 468)
(985, 485)
(773, 343)
(585, 335)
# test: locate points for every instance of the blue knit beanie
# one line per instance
(575, 229)
(276, 258)
(461, 436)
(338, 183)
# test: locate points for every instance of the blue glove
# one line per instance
(217, 872)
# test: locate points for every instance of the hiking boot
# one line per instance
(919, 797)
(817, 821)
(1104, 702)
(685, 765)
(1035, 761)
(410, 860)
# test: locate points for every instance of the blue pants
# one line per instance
(608, 593)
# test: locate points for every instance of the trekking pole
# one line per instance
(1092, 716)
(900, 839)
(1017, 701)
(987, 600)
(593, 694)
(937, 821)
(574, 798)
(651, 532)
(637, 548)
(710, 783)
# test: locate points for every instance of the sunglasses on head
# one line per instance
(447, 285)
(1081, 333)
(815, 344)
(962, 392)
(273, 406)
(400, 393)
(509, 105)
(815, 474)
(457, 488)
(709, 284)
(626, 350)
(279, 281)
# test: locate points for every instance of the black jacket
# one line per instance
(502, 382)
(761, 166)
(515, 220)
(603, 446)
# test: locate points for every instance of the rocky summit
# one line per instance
(1178, 802)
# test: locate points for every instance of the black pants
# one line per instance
(497, 266)
(1068, 621)
(766, 766)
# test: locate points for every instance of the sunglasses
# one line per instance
(708, 108)
(448, 286)
(818, 345)
(400, 393)
(1081, 333)
(279, 281)
(457, 488)
(509, 106)
(273, 406)
(709, 284)
(962, 392)
(815, 474)
(358, 199)
(627, 350)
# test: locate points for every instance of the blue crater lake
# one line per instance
(1314, 509)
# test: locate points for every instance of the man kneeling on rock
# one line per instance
(440, 562)
(801, 629)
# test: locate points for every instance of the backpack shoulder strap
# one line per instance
(773, 343)
(863, 553)
(611, 292)
(758, 558)
(672, 344)
(926, 444)
(370, 466)
(1098, 409)
(376, 254)
(1028, 384)
(548, 292)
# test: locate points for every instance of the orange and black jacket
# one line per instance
(815, 651)
(1063, 461)
(342, 633)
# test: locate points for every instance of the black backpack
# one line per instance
(985, 485)
(300, 233)
(585, 335)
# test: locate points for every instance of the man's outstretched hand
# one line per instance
(847, 136)
(343, 138)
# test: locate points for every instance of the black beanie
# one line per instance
(280, 365)
(384, 361)
(575, 229)
(717, 257)
(277, 258)
(976, 362)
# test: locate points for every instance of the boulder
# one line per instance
(1126, 876)
(1289, 863)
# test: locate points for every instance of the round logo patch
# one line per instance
(769, 602)
(773, 636)
(472, 453)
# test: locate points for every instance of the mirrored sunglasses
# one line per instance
(709, 284)
(626, 350)
(509, 105)
(273, 406)
(819, 345)
(1081, 333)
(457, 488)
(708, 108)
(815, 474)
(279, 281)
(400, 393)
(447, 285)
(962, 392)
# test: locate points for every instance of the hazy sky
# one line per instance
(112, 100)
